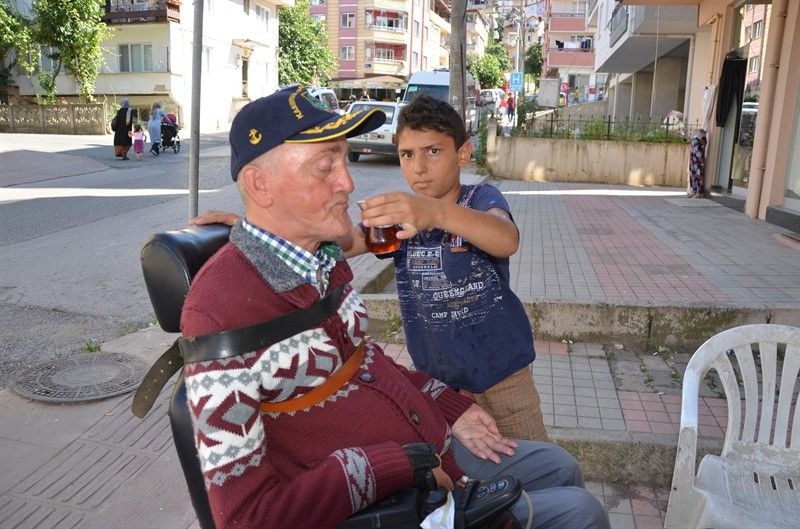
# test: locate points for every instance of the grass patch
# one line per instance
(92, 346)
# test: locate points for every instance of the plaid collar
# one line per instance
(298, 259)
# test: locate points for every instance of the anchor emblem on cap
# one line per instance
(255, 136)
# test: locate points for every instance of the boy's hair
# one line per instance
(428, 113)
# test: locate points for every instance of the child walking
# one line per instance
(139, 138)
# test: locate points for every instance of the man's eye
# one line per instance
(434, 151)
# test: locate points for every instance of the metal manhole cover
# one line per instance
(81, 378)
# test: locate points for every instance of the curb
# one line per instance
(681, 328)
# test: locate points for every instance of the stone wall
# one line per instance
(595, 161)
(88, 118)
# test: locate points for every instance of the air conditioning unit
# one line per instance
(160, 88)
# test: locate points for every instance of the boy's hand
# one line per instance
(412, 212)
(477, 431)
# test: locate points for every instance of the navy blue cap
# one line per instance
(291, 115)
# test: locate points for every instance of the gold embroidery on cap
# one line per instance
(329, 126)
(255, 136)
(292, 103)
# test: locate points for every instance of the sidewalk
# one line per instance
(582, 246)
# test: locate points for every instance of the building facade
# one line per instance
(743, 82)
(568, 50)
(380, 43)
(149, 57)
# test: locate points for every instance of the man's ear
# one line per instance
(464, 153)
(256, 184)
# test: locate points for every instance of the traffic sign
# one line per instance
(515, 83)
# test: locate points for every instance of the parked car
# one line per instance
(328, 98)
(381, 140)
(491, 96)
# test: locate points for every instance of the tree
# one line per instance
(17, 36)
(74, 31)
(499, 51)
(486, 69)
(533, 60)
(303, 43)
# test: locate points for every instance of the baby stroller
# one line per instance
(169, 133)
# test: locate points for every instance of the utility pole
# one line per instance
(458, 46)
(523, 22)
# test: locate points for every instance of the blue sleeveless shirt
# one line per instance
(463, 324)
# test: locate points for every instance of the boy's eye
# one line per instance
(405, 155)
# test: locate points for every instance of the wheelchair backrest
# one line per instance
(170, 260)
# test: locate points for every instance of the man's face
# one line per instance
(431, 163)
(310, 187)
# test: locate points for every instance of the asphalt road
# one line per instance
(72, 221)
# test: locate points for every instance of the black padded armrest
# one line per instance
(170, 261)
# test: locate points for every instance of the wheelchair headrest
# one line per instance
(170, 261)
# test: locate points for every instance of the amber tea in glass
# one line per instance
(382, 239)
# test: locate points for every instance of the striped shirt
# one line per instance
(314, 268)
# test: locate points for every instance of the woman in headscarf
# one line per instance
(122, 138)
(154, 127)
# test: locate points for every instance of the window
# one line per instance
(384, 53)
(416, 28)
(319, 17)
(347, 53)
(425, 33)
(424, 63)
(317, 2)
(758, 28)
(415, 60)
(579, 7)
(246, 6)
(135, 57)
(348, 20)
(207, 59)
(391, 23)
(748, 33)
(262, 14)
(45, 62)
(755, 63)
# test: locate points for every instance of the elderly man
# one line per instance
(314, 428)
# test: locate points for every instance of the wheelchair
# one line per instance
(170, 261)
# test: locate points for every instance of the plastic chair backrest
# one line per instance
(170, 260)
(767, 404)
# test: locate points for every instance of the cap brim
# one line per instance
(347, 125)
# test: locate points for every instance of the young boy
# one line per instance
(463, 324)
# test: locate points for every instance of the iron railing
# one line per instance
(605, 128)
(618, 23)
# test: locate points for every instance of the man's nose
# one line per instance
(345, 181)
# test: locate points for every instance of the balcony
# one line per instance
(125, 12)
(619, 23)
(560, 22)
(377, 66)
(565, 58)
(591, 14)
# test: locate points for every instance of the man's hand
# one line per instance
(442, 479)
(477, 431)
(213, 216)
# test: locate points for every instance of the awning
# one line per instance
(376, 82)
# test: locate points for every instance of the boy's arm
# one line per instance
(492, 231)
(353, 243)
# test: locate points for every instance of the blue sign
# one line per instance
(515, 83)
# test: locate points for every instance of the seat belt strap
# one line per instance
(226, 344)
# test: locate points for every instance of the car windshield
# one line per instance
(387, 109)
(438, 91)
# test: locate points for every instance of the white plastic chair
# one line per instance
(755, 482)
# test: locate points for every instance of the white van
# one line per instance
(437, 84)
(328, 98)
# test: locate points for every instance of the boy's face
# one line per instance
(431, 163)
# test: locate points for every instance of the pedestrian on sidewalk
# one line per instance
(697, 164)
(512, 106)
(463, 323)
(157, 114)
(121, 125)
(269, 462)
(139, 138)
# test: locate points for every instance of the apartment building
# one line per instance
(149, 57)
(379, 44)
(743, 82)
(568, 51)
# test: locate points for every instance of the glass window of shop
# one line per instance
(749, 42)
(792, 193)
